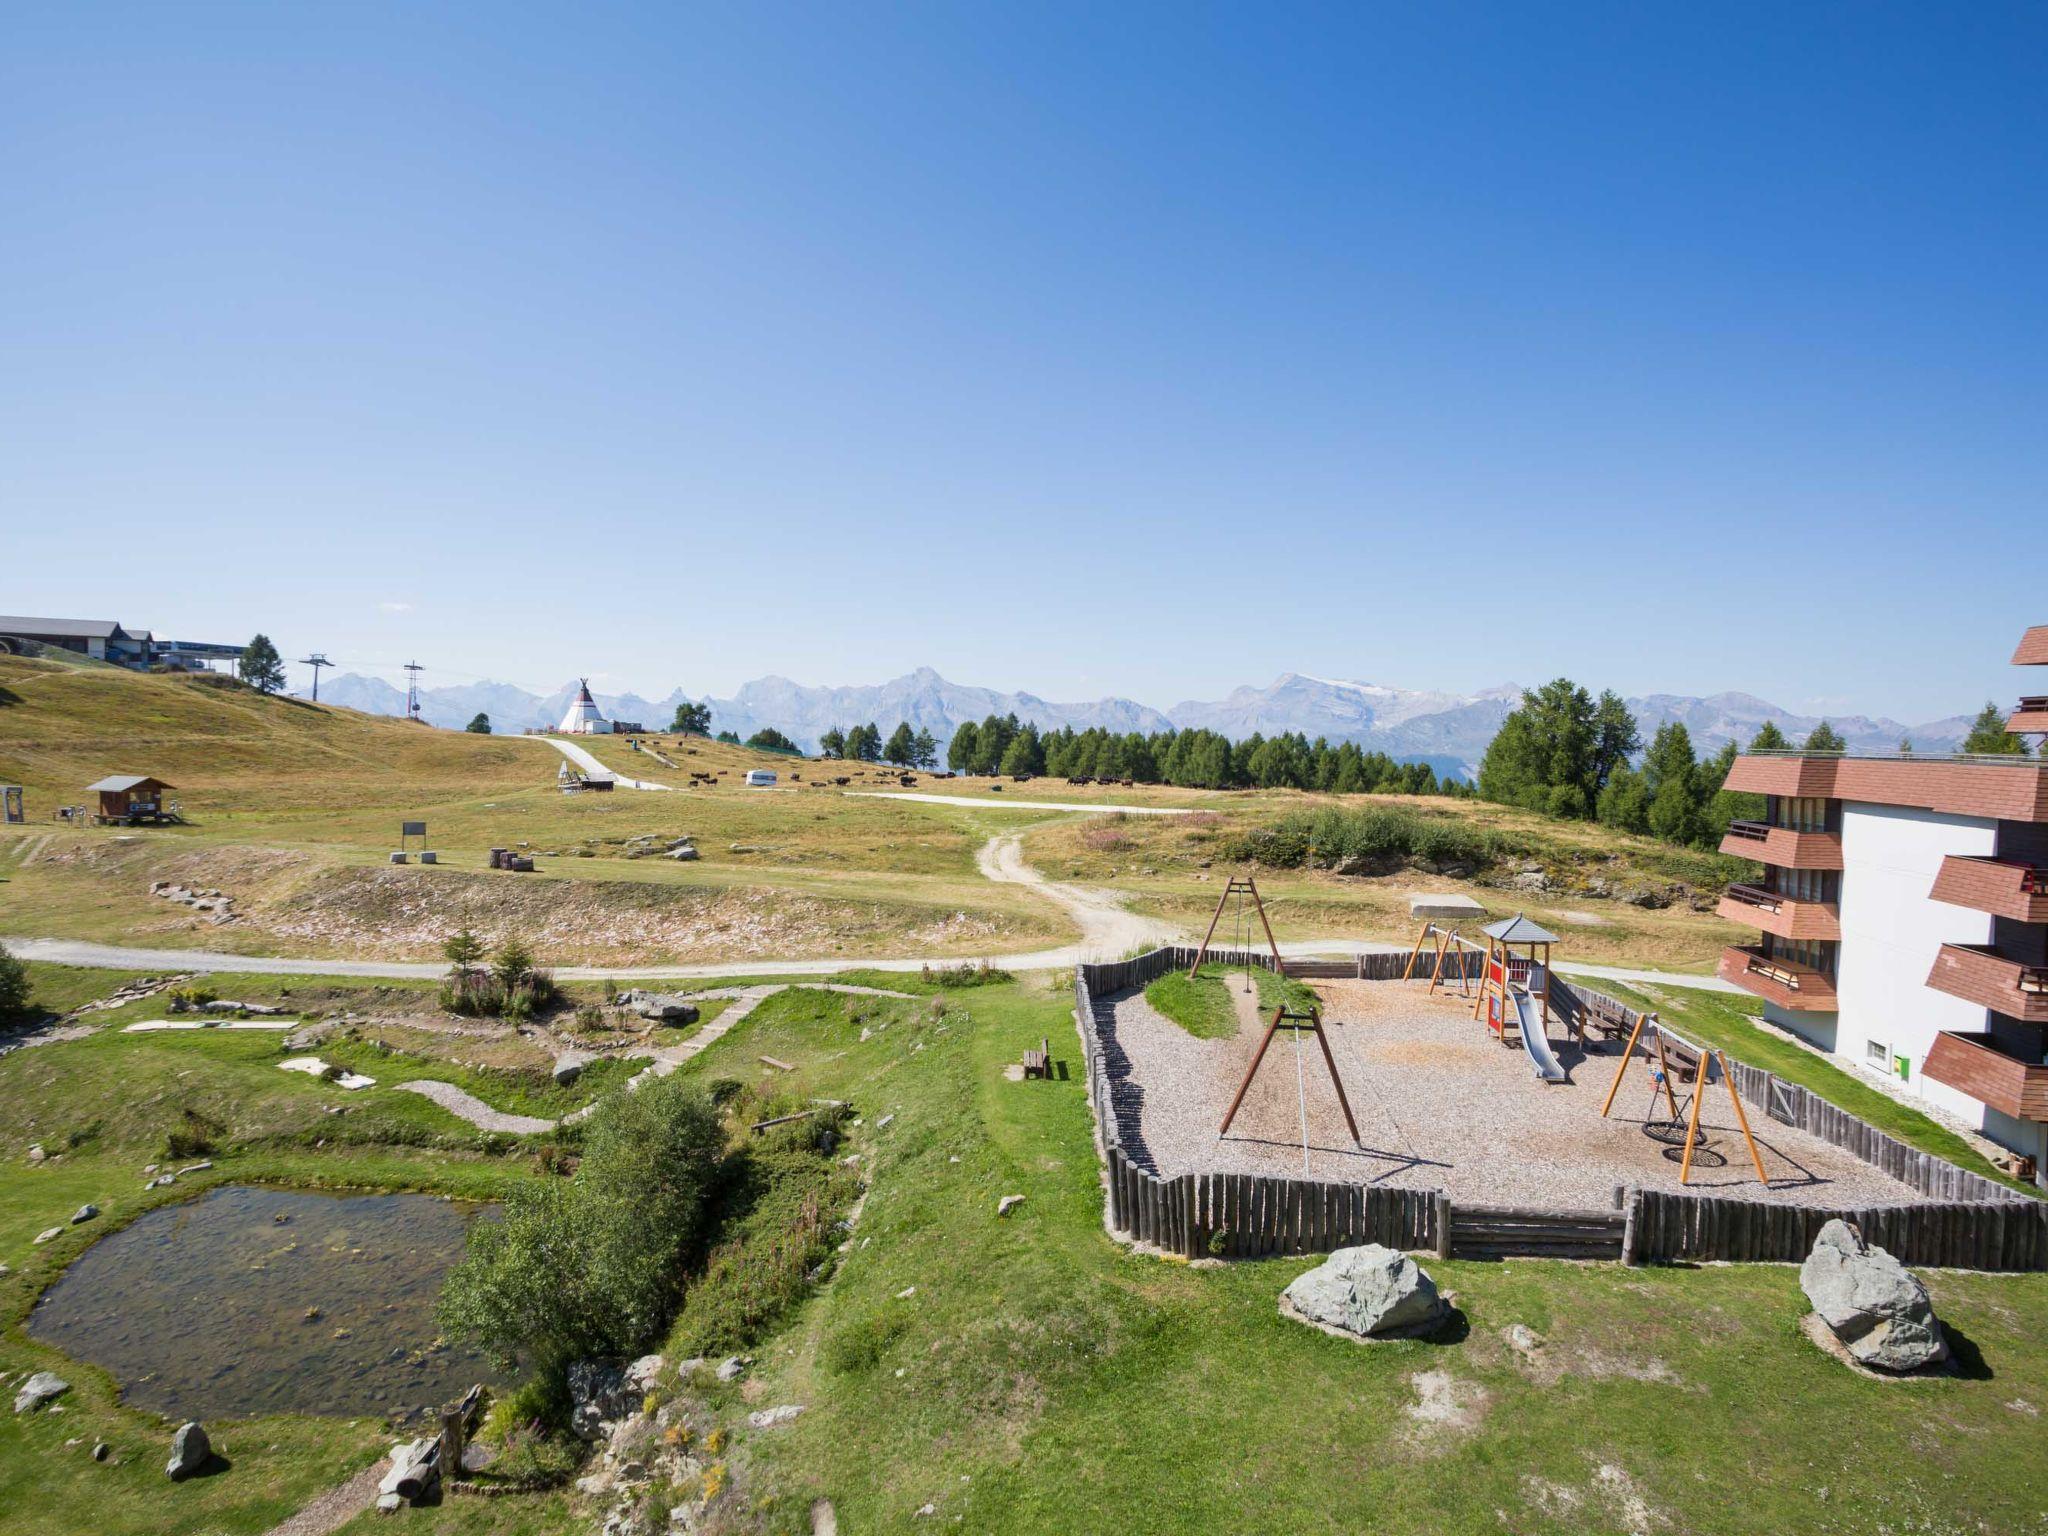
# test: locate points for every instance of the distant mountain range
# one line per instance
(1447, 730)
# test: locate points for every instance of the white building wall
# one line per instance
(1891, 930)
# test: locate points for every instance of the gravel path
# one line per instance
(661, 1061)
(1440, 1105)
(474, 1109)
(591, 765)
(336, 1507)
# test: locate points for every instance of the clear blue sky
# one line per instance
(1082, 348)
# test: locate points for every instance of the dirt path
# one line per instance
(589, 764)
(336, 1507)
(661, 1061)
(1107, 929)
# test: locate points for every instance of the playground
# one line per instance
(1464, 1077)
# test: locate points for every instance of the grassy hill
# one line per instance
(294, 808)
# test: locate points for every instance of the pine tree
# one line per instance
(261, 667)
(924, 751)
(1825, 738)
(870, 750)
(1989, 736)
(480, 726)
(1625, 802)
(1671, 776)
(901, 746)
(961, 750)
(691, 719)
(1768, 738)
(832, 743)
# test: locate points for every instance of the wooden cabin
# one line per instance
(130, 798)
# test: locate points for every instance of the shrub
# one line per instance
(595, 1264)
(859, 1346)
(14, 986)
(967, 974)
(1380, 836)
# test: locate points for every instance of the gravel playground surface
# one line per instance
(1441, 1105)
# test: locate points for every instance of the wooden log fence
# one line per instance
(1968, 1221)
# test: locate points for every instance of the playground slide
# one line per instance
(1530, 1019)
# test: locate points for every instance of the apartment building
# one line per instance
(1902, 912)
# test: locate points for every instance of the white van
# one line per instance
(760, 778)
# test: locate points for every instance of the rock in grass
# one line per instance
(49, 1232)
(730, 1369)
(84, 1213)
(190, 1451)
(1008, 1204)
(1875, 1305)
(769, 1418)
(1372, 1292)
(39, 1389)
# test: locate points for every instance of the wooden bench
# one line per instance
(1038, 1063)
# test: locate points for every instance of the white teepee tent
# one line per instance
(584, 718)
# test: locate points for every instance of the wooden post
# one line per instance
(1251, 1071)
(1443, 1225)
(1336, 1082)
(1699, 1097)
(1408, 970)
(1627, 1054)
(454, 1426)
(1629, 1226)
(1742, 1120)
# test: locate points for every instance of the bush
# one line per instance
(14, 986)
(1380, 837)
(595, 1264)
(967, 974)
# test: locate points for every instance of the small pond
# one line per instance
(250, 1301)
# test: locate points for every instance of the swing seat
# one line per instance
(1672, 1133)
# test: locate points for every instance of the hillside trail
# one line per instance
(1108, 930)
(589, 764)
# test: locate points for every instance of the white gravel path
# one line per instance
(591, 765)
(1440, 1105)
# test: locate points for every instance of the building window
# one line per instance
(1878, 1055)
(1800, 813)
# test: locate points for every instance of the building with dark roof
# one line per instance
(105, 640)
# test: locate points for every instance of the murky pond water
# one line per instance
(249, 1301)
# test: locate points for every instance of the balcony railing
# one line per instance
(1791, 985)
(1783, 847)
(1787, 917)
(1991, 1072)
(2003, 887)
(1979, 974)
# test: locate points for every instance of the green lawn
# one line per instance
(1039, 1377)
(1042, 1379)
(1205, 1004)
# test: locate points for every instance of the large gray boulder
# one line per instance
(190, 1451)
(660, 1007)
(39, 1389)
(1372, 1292)
(599, 1395)
(1871, 1302)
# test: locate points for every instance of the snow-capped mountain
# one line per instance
(1450, 731)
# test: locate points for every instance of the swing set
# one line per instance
(1295, 1021)
(1448, 943)
(1674, 1059)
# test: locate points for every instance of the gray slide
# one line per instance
(1534, 1041)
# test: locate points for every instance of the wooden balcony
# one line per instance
(2002, 887)
(1794, 987)
(1979, 974)
(1755, 907)
(2032, 715)
(1781, 847)
(1990, 1074)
